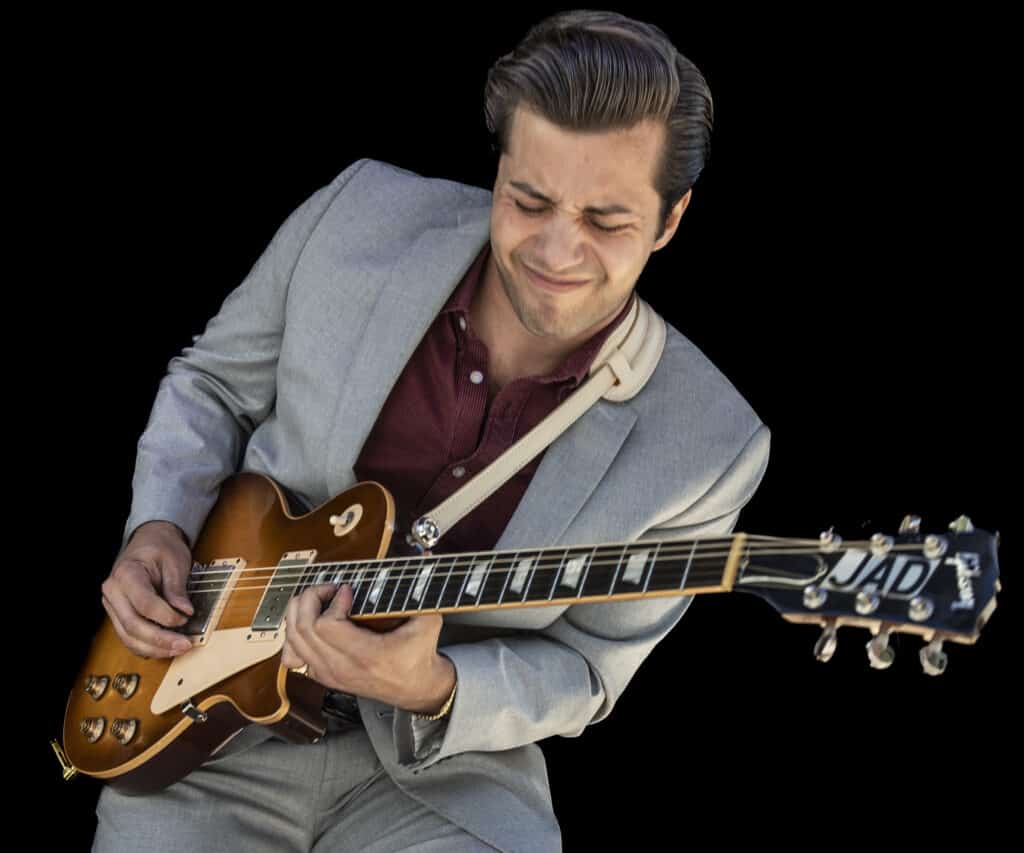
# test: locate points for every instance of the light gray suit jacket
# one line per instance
(288, 379)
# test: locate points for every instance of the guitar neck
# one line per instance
(443, 583)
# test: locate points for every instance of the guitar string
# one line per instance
(695, 579)
(470, 561)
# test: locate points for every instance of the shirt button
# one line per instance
(462, 323)
(458, 471)
(476, 377)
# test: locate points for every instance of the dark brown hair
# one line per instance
(588, 70)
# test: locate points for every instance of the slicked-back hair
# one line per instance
(598, 71)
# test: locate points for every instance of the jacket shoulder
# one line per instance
(389, 185)
(690, 406)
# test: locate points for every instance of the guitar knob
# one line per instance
(826, 645)
(92, 728)
(933, 659)
(880, 653)
(96, 685)
(126, 684)
(124, 730)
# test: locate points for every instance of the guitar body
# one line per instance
(239, 670)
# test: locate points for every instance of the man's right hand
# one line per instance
(145, 586)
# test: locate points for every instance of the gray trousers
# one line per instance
(279, 797)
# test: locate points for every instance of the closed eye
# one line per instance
(533, 211)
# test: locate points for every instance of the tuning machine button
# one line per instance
(830, 541)
(911, 524)
(826, 645)
(814, 597)
(880, 653)
(933, 659)
(962, 524)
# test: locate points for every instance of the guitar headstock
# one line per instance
(941, 587)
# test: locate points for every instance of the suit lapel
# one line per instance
(420, 283)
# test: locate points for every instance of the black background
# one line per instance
(837, 262)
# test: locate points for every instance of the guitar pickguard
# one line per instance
(216, 654)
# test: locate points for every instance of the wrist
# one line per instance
(443, 687)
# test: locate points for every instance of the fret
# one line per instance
(463, 573)
(558, 573)
(654, 565)
(508, 573)
(572, 568)
(635, 566)
(586, 571)
(397, 573)
(439, 582)
(403, 576)
(615, 576)
(523, 574)
(476, 579)
(496, 580)
(603, 565)
(356, 581)
(418, 589)
(372, 581)
(689, 562)
(458, 572)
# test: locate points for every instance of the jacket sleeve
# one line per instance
(562, 678)
(223, 386)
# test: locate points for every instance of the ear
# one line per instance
(674, 216)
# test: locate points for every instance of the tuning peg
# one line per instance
(826, 645)
(880, 653)
(961, 525)
(911, 524)
(933, 659)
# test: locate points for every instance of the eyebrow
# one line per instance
(600, 211)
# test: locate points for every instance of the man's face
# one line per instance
(560, 238)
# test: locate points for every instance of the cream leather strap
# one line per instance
(620, 369)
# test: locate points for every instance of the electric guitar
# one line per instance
(141, 724)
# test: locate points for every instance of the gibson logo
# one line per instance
(968, 565)
(892, 575)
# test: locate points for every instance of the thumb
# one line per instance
(174, 590)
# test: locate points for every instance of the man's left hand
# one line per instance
(400, 667)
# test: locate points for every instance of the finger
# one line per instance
(289, 657)
(138, 587)
(132, 643)
(341, 603)
(143, 632)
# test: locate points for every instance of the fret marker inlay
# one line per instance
(573, 568)
(378, 585)
(422, 580)
(473, 585)
(522, 570)
(635, 567)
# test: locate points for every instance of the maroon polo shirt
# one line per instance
(438, 427)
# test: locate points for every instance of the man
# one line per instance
(386, 294)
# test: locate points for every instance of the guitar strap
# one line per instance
(620, 369)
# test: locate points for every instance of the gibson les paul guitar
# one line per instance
(141, 724)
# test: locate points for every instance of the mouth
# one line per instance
(552, 286)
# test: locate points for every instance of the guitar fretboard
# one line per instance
(533, 577)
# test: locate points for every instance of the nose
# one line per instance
(560, 248)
